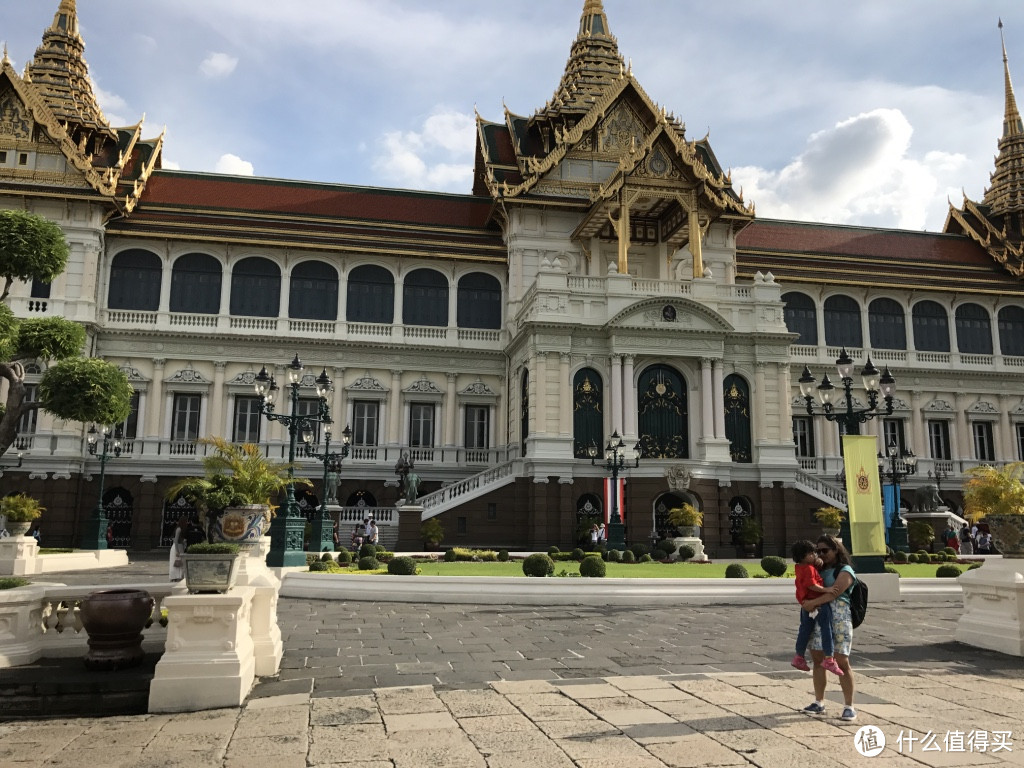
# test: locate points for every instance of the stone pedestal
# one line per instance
(209, 662)
(993, 616)
(410, 518)
(699, 556)
(321, 537)
(266, 634)
(21, 633)
(19, 556)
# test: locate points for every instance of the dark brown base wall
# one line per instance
(525, 515)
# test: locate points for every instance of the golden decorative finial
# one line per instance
(1012, 125)
(7, 59)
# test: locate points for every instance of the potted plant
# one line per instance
(233, 496)
(750, 535)
(687, 519)
(211, 567)
(997, 496)
(20, 511)
(831, 519)
(432, 533)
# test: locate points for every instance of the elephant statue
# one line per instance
(927, 499)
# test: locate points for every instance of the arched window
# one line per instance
(842, 322)
(887, 325)
(479, 301)
(737, 418)
(973, 329)
(195, 284)
(587, 412)
(314, 292)
(1011, 331)
(931, 327)
(425, 298)
(256, 288)
(371, 295)
(135, 281)
(802, 317)
(661, 409)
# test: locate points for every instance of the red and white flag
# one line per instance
(608, 500)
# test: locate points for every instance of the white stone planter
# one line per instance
(694, 543)
(993, 616)
(210, 573)
(21, 634)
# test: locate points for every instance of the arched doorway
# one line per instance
(662, 527)
(119, 507)
(588, 512)
(587, 412)
(662, 414)
(173, 511)
(740, 509)
(737, 418)
(361, 499)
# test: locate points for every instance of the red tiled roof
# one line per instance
(271, 196)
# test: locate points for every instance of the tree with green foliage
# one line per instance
(73, 388)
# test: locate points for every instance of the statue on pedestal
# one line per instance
(408, 479)
(331, 487)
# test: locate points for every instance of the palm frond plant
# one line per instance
(994, 490)
(830, 517)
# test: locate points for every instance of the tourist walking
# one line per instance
(175, 566)
(966, 541)
(809, 585)
(837, 574)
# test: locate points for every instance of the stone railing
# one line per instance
(472, 487)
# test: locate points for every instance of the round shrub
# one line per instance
(947, 571)
(367, 550)
(539, 564)
(913, 557)
(972, 566)
(899, 557)
(402, 566)
(922, 552)
(667, 546)
(936, 558)
(318, 566)
(593, 567)
(736, 571)
(614, 556)
(639, 550)
(948, 551)
(686, 552)
(774, 565)
(628, 556)
(327, 557)
(368, 563)
(577, 554)
(553, 550)
(645, 558)
(890, 569)
(344, 556)
(450, 556)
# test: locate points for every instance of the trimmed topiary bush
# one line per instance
(899, 557)
(645, 558)
(450, 556)
(686, 552)
(774, 565)
(319, 566)
(327, 557)
(628, 556)
(13, 582)
(936, 558)
(539, 564)
(890, 569)
(367, 550)
(577, 554)
(502, 555)
(368, 563)
(402, 566)
(344, 556)
(553, 550)
(972, 566)
(594, 567)
(736, 571)
(614, 556)
(667, 546)
(947, 571)
(948, 551)
(639, 550)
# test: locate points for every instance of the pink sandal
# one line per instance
(831, 666)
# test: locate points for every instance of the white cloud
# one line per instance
(437, 157)
(218, 65)
(233, 165)
(169, 165)
(861, 171)
(114, 107)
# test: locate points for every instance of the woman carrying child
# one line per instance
(809, 586)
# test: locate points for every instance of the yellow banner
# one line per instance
(864, 495)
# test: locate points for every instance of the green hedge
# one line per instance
(539, 564)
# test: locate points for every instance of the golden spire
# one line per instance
(1012, 125)
(61, 75)
(1005, 194)
(594, 64)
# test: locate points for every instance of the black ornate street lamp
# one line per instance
(938, 475)
(323, 525)
(104, 444)
(894, 458)
(875, 385)
(850, 417)
(615, 462)
(286, 530)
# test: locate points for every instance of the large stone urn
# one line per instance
(244, 526)
(114, 620)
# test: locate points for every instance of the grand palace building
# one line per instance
(602, 276)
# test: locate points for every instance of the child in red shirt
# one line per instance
(808, 586)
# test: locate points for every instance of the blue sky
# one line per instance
(871, 112)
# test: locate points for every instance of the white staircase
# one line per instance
(814, 486)
(470, 488)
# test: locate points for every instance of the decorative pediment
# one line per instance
(245, 378)
(423, 386)
(677, 315)
(187, 376)
(899, 404)
(983, 406)
(478, 387)
(133, 373)
(939, 405)
(1019, 410)
(621, 131)
(366, 383)
(15, 120)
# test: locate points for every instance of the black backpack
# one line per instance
(858, 602)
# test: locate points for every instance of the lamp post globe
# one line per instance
(104, 444)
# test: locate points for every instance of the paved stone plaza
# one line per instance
(407, 685)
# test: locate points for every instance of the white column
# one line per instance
(338, 404)
(785, 401)
(225, 289)
(539, 403)
(1005, 442)
(820, 317)
(165, 286)
(450, 409)
(758, 401)
(564, 395)
(155, 419)
(283, 307)
(719, 391)
(920, 440)
(394, 408)
(616, 414)
(217, 399)
(453, 304)
(399, 301)
(629, 419)
(707, 401)
(865, 328)
(963, 429)
(343, 297)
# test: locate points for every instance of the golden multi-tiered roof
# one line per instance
(51, 111)
(997, 222)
